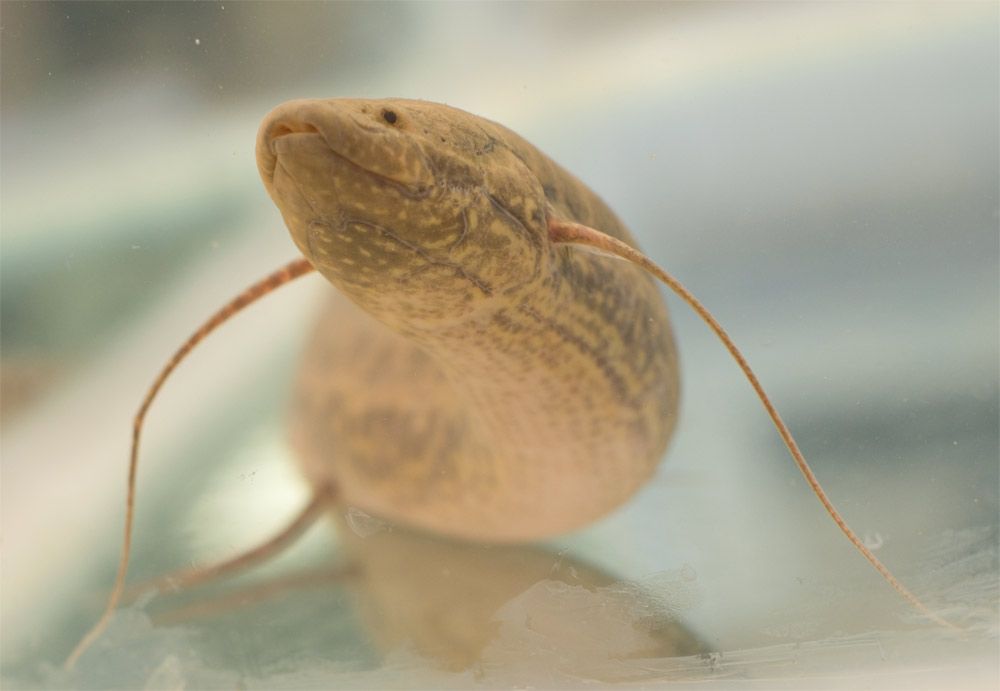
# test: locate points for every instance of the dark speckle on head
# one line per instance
(389, 116)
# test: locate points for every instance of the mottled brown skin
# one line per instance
(480, 381)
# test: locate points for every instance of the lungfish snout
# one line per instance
(353, 131)
(287, 119)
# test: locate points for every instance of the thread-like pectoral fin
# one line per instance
(265, 286)
(567, 232)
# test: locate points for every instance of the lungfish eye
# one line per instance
(389, 116)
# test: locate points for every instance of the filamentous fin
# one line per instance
(567, 232)
(269, 284)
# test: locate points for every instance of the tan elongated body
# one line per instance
(495, 378)
(485, 383)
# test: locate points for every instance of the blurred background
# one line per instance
(824, 176)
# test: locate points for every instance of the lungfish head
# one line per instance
(420, 212)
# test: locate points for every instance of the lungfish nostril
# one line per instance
(284, 128)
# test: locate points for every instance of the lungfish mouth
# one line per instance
(300, 130)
